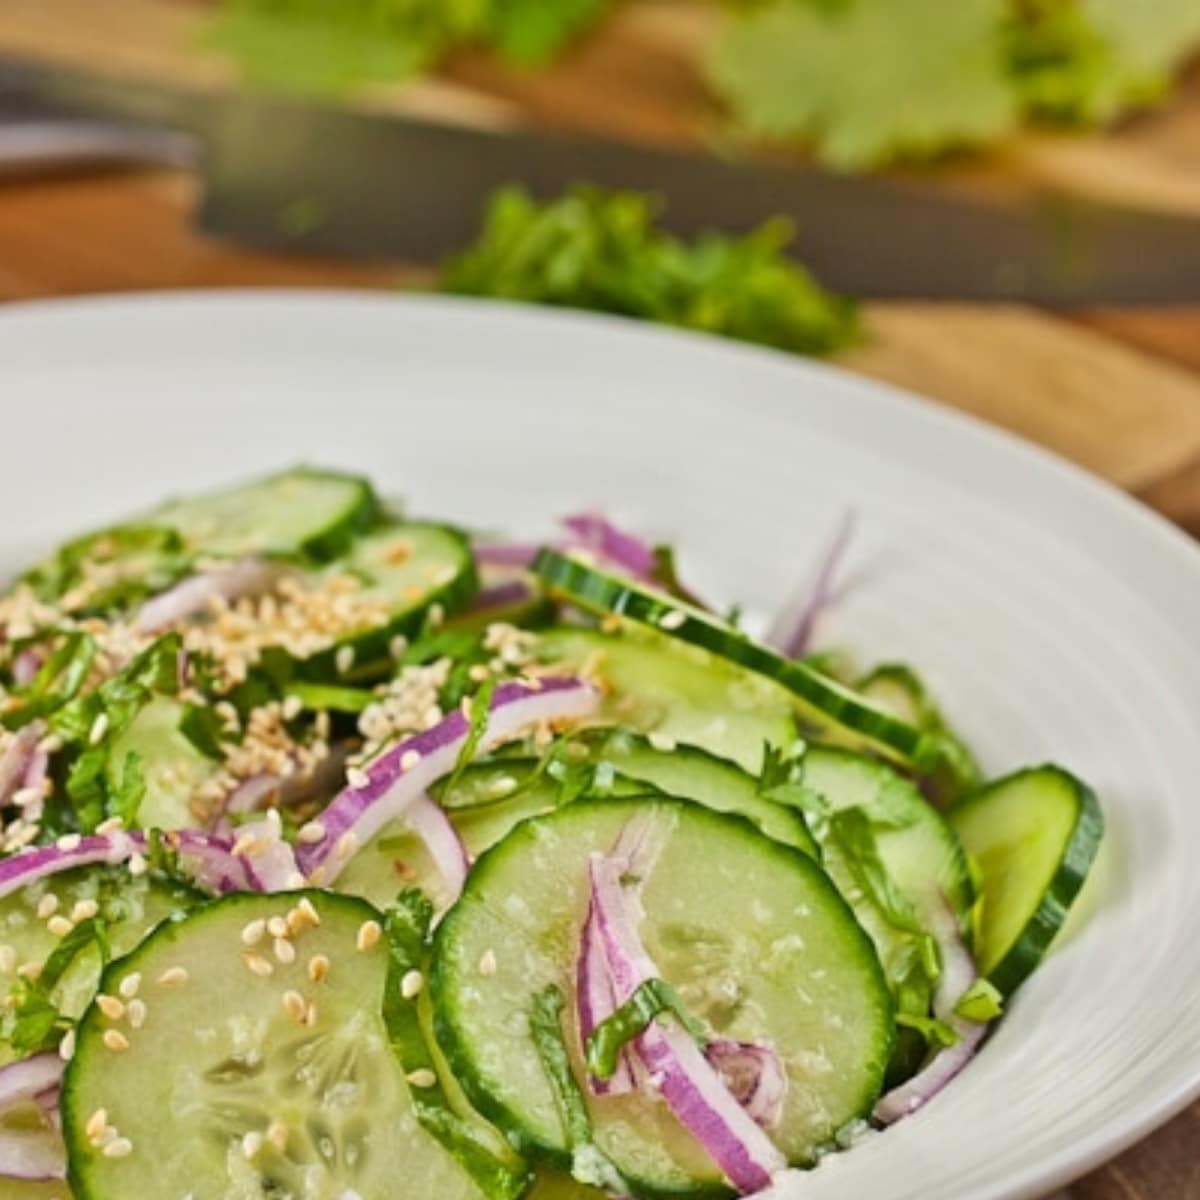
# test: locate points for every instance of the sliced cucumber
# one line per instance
(1034, 836)
(171, 765)
(693, 774)
(222, 1094)
(828, 709)
(305, 511)
(551, 1186)
(127, 908)
(408, 569)
(656, 684)
(751, 933)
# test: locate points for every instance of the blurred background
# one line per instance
(993, 202)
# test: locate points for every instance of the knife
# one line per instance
(293, 174)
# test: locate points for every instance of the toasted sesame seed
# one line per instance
(661, 741)
(29, 970)
(173, 977)
(478, 673)
(69, 842)
(466, 707)
(369, 932)
(311, 833)
(610, 623)
(258, 965)
(318, 967)
(310, 1014)
(397, 646)
(84, 910)
(436, 615)
(292, 707)
(8, 960)
(137, 1013)
(411, 985)
(66, 1048)
(356, 777)
(110, 826)
(118, 1148)
(409, 759)
(277, 927)
(294, 1005)
(344, 659)
(487, 963)
(98, 730)
(422, 1078)
(115, 1040)
(137, 864)
(130, 984)
(285, 952)
(47, 906)
(110, 1006)
(252, 933)
(96, 1123)
(60, 926)
(347, 844)
(252, 1143)
(672, 619)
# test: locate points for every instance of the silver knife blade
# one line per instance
(294, 174)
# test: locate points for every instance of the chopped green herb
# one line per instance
(981, 1002)
(935, 1032)
(653, 999)
(603, 251)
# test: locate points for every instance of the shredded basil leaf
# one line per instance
(653, 999)
(935, 1032)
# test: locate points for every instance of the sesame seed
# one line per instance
(47, 906)
(369, 932)
(294, 1005)
(137, 864)
(292, 707)
(69, 842)
(610, 623)
(110, 826)
(252, 933)
(98, 730)
(252, 1143)
(478, 673)
(96, 1123)
(277, 1135)
(411, 985)
(66, 1048)
(84, 910)
(311, 833)
(137, 1013)
(423, 1078)
(346, 846)
(466, 707)
(115, 1040)
(8, 960)
(437, 614)
(277, 927)
(661, 741)
(487, 963)
(310, 1015)
(344, 659)
(173, 977)
(130, 984)
(285, 952)
(356, 777)
(24, 797)
(110, 1006)
(318, 967)
(397, 646)
(29, 970)
(258, 965)
(672, 619)
(409, 759)
(118, 1148)
(60, 926)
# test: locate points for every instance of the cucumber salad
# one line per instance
(348, 856)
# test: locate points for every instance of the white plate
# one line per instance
(1055, 616)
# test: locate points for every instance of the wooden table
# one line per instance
(1116, 390)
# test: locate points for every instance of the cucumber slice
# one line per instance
(219, 1060)
(1034, 836)
(305, 511)
(20, 1189)
(751, 933)
(171, 765)
(408, 569)
(693, 774)
(551, 1186)
(828, 709)
(655, 684)
(129, 907)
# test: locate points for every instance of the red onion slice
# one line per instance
(428, 820)
(595, 1003)
(754, 1074)
(246, 577)
(270, 862)
(958, 974)
(505, 554)
(34, 1154)
(791, 632)
(595, 532)
(27, 664)
(405, 772)
(689, 1084)
(15, 762)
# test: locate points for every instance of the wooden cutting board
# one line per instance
(1118, 390)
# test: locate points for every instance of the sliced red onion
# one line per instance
(267, 788)
(958, 974)
(595, 1003)
(791, 632)
(15, 762)
(503, 594)
(754, 1074)
(428, 820)
(34, 1154)
(33, 785)
(252, 794)
(246, 577)
(691, 1086)
(400, 775)
(506, 554)
(27, 664)
(595, 532)
(270, 861)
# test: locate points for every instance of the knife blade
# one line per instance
(294, 174)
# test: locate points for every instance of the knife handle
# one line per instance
(36, 146)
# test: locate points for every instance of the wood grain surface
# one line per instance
(1116, 390)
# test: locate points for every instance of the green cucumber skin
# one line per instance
(459, 1056)
(1079, 853)
(840, 704)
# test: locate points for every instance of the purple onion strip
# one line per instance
(33, 1154)
(428, 820)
